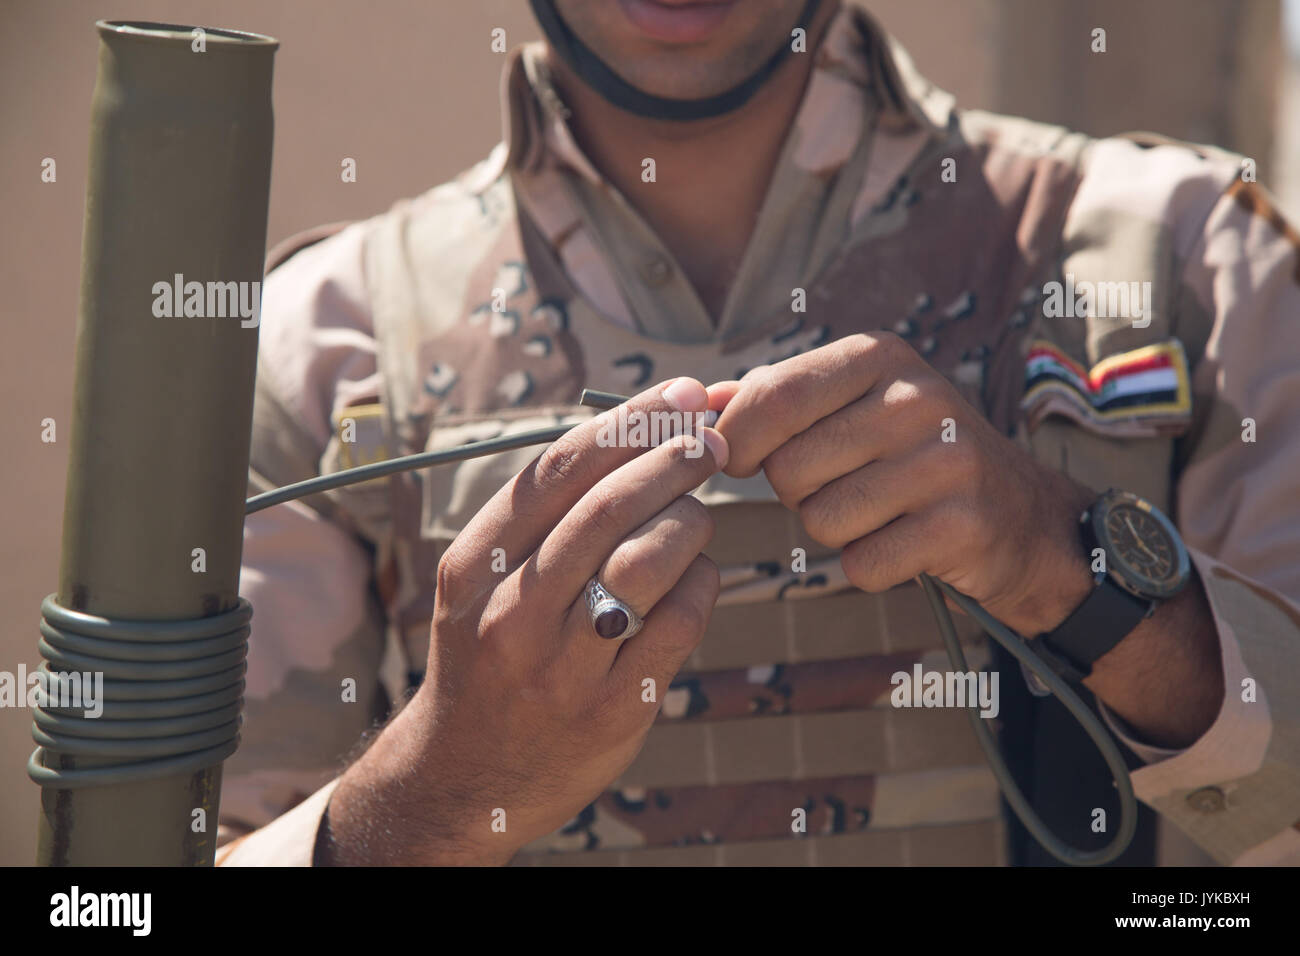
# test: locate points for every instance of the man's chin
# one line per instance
(677, 21)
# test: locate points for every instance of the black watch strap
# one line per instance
(1106, 617)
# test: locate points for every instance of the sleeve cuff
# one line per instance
(288, 840)
(1147, 753)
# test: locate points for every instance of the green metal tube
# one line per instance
(179, 180)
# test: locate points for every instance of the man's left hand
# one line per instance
(882, 458)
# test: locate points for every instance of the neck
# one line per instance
(711, 175)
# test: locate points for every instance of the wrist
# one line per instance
(1058, 576)
(388, 808)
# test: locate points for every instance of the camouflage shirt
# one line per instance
(485, 305)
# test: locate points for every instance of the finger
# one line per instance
(643, 568)
(783, 400)
(519, 516)
(911, 545)
(645, 565)
(672, 632)
(616, 506)
(884, 420)
(720, 393)
(872, 496)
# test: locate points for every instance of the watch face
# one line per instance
(1143, 548)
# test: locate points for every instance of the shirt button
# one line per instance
(1206, 800)
(656, 271)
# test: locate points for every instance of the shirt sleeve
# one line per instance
(1236, 790)
(318, 629)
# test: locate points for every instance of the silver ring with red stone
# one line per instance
(611, 618)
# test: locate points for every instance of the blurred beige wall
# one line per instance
(408, 88)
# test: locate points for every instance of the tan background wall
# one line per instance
(409, 89)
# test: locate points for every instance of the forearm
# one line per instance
(381, 812)
(1166, 678)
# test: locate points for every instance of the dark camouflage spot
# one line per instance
(641, 363)
(794, 328)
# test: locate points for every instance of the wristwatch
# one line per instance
(1138, 561)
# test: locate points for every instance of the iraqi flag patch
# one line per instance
(1140, 393)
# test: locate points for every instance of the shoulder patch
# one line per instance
(1144, 392)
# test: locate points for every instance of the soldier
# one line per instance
(935, 337)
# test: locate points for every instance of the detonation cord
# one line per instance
(1016, 646)
(171, 695)
(151, 668)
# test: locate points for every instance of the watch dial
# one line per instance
(1143, 545)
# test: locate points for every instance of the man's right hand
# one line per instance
(526, 714)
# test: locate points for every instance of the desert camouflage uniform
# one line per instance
(485, 305)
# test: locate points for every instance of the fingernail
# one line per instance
(717, 444)
(686, 395)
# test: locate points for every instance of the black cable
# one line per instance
(392, 466)
(1016, 646)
